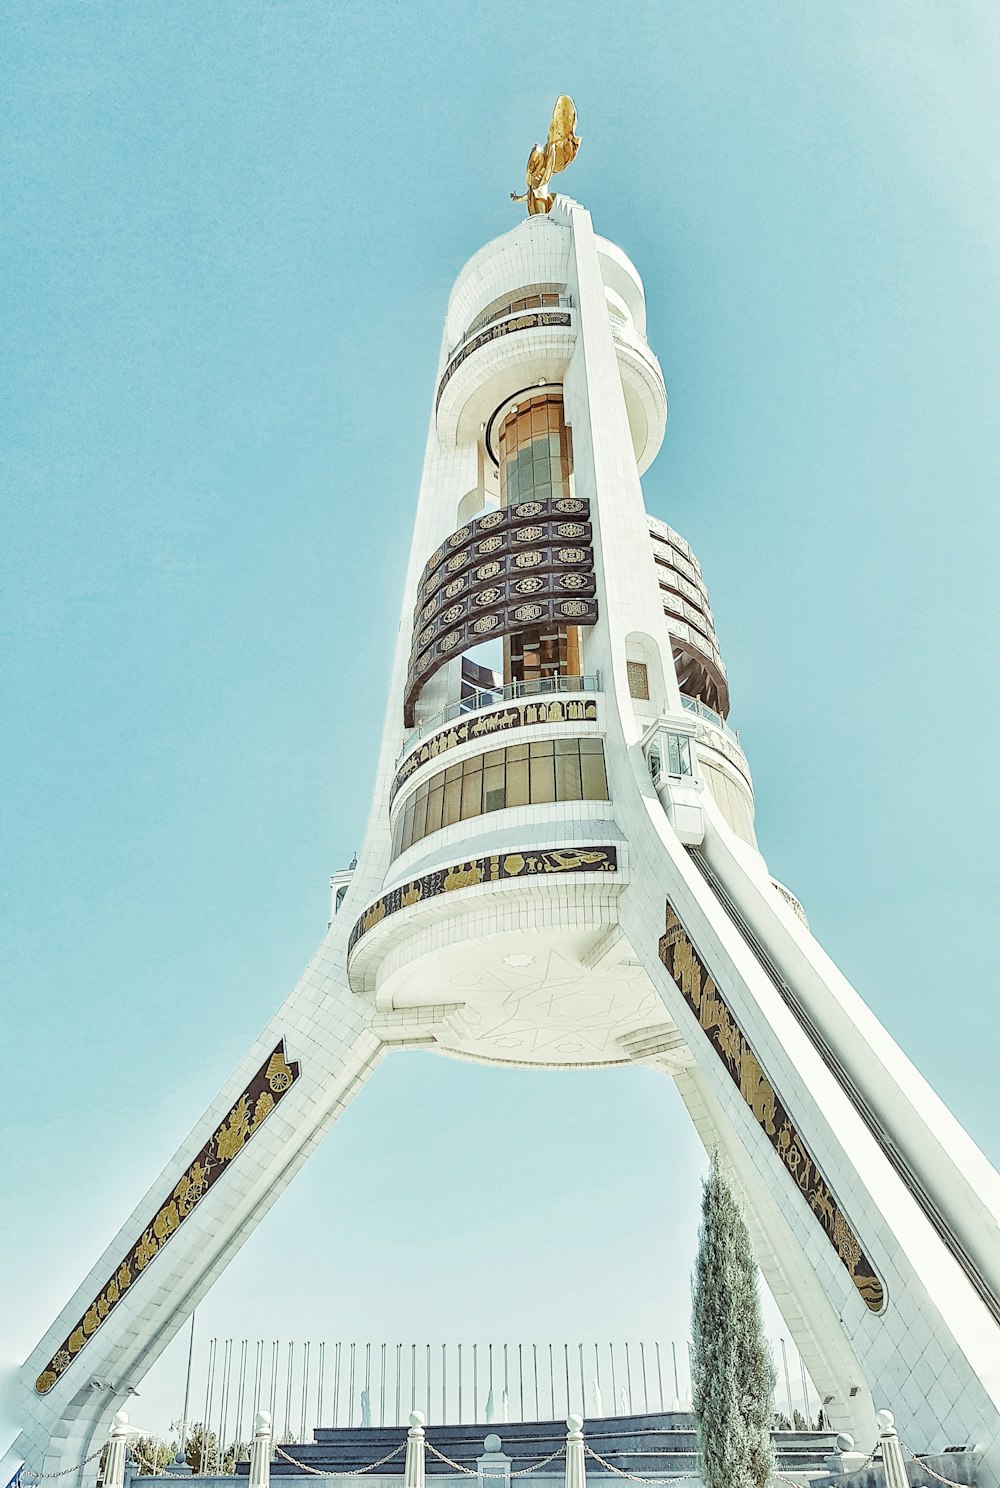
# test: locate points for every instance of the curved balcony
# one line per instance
(429, 740)
(711, 731)
(645, 393)
(541, 339)
(695, 705)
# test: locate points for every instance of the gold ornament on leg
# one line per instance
(547, 160)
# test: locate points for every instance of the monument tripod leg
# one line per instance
(811, 1320)
(823, 1195)
(294, 1082)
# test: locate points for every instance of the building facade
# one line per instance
(560, 870)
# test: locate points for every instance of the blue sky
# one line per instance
(230, 238)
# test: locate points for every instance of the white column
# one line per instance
(892, 1453)
(494, 1465)
(114, 1467)
(260, 1451)
(576, 1467)
(326, 1032)
(413, 1473)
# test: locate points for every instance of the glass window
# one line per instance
(520, 775)
(517, 775)
(452, 809)
(419, 815)
(569, 781)
(678, 754)
(536, 299)
(435, 804)
(472, 788)
(595, 779)
(541, 774)
(534, 450)
(494, 793)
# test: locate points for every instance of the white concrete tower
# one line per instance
(560, 870)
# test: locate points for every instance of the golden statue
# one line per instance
(545, 160)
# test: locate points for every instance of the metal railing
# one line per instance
(487, 697)
(695, 705)
(516, 320)
(305, 1384)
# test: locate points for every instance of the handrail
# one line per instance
(562, 302)
(486, 697)
(550, 315)
(695, 705)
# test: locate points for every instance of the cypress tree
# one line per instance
(732, 1370)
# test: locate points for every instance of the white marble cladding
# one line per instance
(535, 252)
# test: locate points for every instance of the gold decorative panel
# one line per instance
(485, 725)
(269, 1085)
(702, 996)
(490, 869)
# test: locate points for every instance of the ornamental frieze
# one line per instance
(493, 333)
(491, 869)
(506, 572)
(484, 725)
(714, 738)
(510, 579)
(268, 1087)
(702, 996)
(508, 619)
(572, 509)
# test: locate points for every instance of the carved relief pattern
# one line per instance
(269, 1085)
(491, 869)
(484, 567)
(483, 725)
(714, 738)
(726, 1037)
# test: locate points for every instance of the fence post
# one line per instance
(114, 1465)
(846, 1459)
(576, 1466)
(494, 1465)
(260, 1451)
(413, 1472)
(892, 1453)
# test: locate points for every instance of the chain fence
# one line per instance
(632, 1478)
(319, 1472)
(30, 1476)
(794, 1483)
(448, 1461)
(929, 1470)
(27, 1473)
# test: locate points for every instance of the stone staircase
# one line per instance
(653, 1445)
